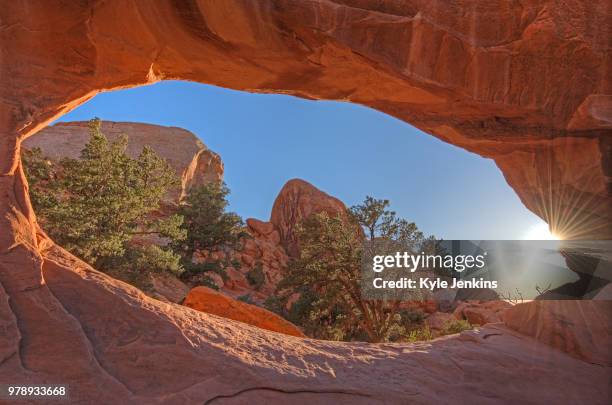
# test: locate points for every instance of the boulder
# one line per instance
(236, 281)
(427, 306)
(216, 279)
(207, 300)
(439, 320)
(481, 312)
(526, 85)
(167, 287)
(259, 227)
(297, 201)
(582, 329)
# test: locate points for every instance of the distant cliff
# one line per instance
(194, 163)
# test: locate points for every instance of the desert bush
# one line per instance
(206, 281)
(246, 298)
(155, 259)
(140, 262)
(197, 273)
(256, 276)
(206, 223)
(452, 327)
(235, 264)
(95, 205)
(327, 275)
(420, 334)
(275, 304)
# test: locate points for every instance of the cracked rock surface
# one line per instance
(112, 343)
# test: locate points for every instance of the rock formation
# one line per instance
(193, 162)
(270, 245)
(166, 287)
(297, 201)
(210, 301)
(527, 85)
(258, 255)
(582, 329)
(481, 312)
(438, 321)
(113, 344)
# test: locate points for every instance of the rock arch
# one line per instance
(526, 85)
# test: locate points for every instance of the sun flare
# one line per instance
(541, 232)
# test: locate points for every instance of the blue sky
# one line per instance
(346, 150)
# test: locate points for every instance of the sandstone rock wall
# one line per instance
(524, 84)
(258, 252)
(582, 329)
(193, 162)
(297, 201)
(115, 345)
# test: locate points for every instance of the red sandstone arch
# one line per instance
(525, 84)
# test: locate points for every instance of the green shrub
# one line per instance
(153, 258)
(95, 205)
(452, 327)
(206, 281)
(139, 263)
(412, 316)
(206, 223)
(327, 274)
(246, 299)
(193, 270)
(421, 334)
(256, 276)
(275, 304)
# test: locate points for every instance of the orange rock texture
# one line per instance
(266, 247)
(481, 312)
(297, 201)
(581, 329)
(210, 301)
(260, 251)
(525, 84)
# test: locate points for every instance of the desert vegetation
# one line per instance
(95, 206)
(322, 285)
(111, 210)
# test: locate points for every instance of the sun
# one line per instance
(541, 232)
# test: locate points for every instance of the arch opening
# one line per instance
(401, 160)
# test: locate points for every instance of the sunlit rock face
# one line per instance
(527, 85)
(582, 329)
(269, 246)
(253, 268)
(192, 161)
(210, 301)
(297, 201)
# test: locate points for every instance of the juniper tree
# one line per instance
(96, 204)
(207, 223)
(327, 275)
